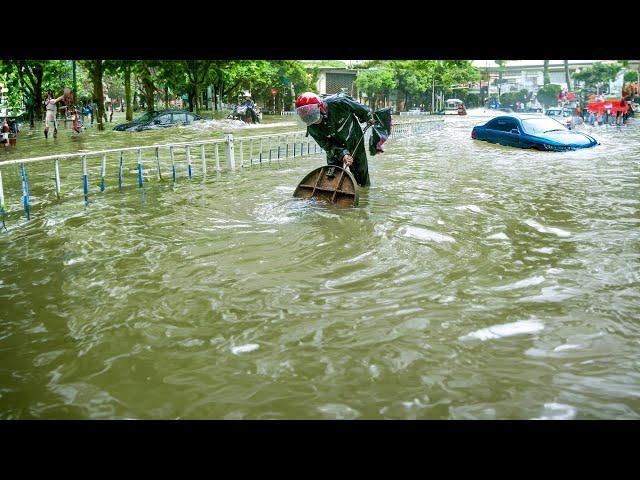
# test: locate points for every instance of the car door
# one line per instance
(163, 120)
(490, 131)
(503, 132)
(179, 118)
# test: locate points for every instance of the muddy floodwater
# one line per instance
(474, 281)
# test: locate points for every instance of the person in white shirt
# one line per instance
(51, 110)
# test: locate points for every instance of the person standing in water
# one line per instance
(334, 123)
(51, 111)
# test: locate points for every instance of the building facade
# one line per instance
(333, 80)
(529, 74)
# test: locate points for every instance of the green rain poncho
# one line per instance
(340, 133)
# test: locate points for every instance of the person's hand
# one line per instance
(348, 160)
(371, 122)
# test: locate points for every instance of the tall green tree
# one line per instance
(197, 73)
(377, 82)
(598, 75)
(146, 74)
(548, 94)
(31, 77)
(118, 79)
(96, 72)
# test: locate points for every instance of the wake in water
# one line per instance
(205, 125)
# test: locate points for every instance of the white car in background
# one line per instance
(563, 115)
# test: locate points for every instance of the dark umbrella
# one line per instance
(381, 130)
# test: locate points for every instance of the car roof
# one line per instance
(520, 116)
(172, 111)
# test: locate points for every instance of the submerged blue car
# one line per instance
(532, 131)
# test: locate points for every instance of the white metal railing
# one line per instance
(242, 151)
(416, 127)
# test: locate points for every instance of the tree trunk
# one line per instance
(545, 73)
(148, 91)
(127, 91)
(34, 75)
(566, 74)
(166, 96)
(148, 95)
(96, 71)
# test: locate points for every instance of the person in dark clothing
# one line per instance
(334, 123)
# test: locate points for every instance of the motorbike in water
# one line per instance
(246, 113)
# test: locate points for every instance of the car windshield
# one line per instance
(541, 125)
(553, 113)
(145, 117)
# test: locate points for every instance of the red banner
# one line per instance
(613, 106)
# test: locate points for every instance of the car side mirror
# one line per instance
(516, 131)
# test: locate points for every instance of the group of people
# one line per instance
(51, 112)
(9, 128)
(87, 109)
(607, 112)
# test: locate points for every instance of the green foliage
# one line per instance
(376, 82)
(631, 76)
(510, 98)
(472, 100)
(169, 79)
(597, 75)
(548, 95)
(324, 64)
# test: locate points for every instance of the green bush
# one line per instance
(548, 95)
(472, 100)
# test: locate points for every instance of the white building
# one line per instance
(333, 80)
(528, 74)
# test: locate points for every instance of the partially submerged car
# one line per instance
(158, 119)
(532, 131)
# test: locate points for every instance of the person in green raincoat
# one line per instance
(334, 123)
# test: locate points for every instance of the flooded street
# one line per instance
(474, 281)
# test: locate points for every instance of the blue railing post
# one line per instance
(1, 196)
(188, 152)
(120, 171)
(103, 173)
(158, 162)
(56, 172)
(139, 167)
(85, 178)
(173, 163)
(25, 190)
